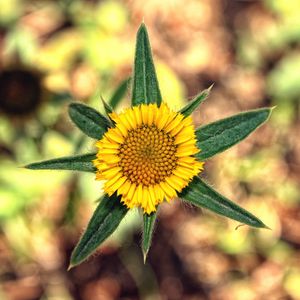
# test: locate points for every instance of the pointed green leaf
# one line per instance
(148, 228)
(221, 135)
(194, 103)
(75, 163)
(108, 109)
(145, 88)
(88, 120)
(119, 93)
(202, 195)
(104, 222)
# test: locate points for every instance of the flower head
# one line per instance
(148, 156)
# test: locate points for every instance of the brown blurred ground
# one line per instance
(78, 50)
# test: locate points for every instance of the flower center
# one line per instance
(147, 155)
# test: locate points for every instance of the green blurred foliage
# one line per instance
(283, 81)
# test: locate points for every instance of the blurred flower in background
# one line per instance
(20, 92)
(52, 52)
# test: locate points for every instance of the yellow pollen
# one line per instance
(148, 155)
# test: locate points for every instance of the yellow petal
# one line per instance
(117, 184)
(111, 172)
(135, 198)
(187, 159)
(174, 123)
(108, 144)
(111, 182)
(131, 191)
(144, 111)
(156, 189)
(139, 191)
(183, 173)
(147, 203)
(185, 137)
(102, 166)
(115, 117)
(152, 197)
(175, 182)
(186, 165)
(137, 114)
(124, 189)
(170, 192)
(99, 176)
(124, 121)
(151, 113)
(123, 129)
(176, 129)
(162, 122)
(114, 135)
(186, 151)
(109, 151)
(110, 158)
(131, 120)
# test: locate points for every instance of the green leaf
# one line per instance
(88, 120)
(194, 103)
(103, 223)
(116, 97)
(75, 163)
(119, 93)
(108, 109)
(148, 228)
(221, 135)
(202, 195)
(145, 87)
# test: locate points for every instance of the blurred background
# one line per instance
(55, 52)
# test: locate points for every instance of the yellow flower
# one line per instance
(148, 156)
